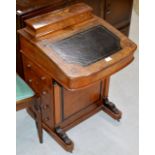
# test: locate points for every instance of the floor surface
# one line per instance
(100, 134)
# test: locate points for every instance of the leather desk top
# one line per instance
(87, 47)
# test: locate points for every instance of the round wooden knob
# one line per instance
(43, 78)
(45, 107)
(108, 12)
(29, 66)
(47, 119)
(30, 80)
(44, 92)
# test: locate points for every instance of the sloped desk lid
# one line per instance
(88, 46)
(76, 47)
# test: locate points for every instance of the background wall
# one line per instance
(136, 6)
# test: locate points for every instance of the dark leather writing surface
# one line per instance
(87, 47)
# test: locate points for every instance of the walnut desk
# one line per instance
(68, 57)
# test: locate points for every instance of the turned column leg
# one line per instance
(109, 107)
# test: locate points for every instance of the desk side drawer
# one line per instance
(41, 84)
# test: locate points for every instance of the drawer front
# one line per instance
(41, 84)
(34, 71)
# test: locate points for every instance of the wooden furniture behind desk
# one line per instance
(116, 12)
(71, 89)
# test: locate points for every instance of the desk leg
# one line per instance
(38, 119)
(109, 107)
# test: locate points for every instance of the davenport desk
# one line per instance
(68, 58)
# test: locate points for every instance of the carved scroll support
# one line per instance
(63, 136)
(111, 109)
